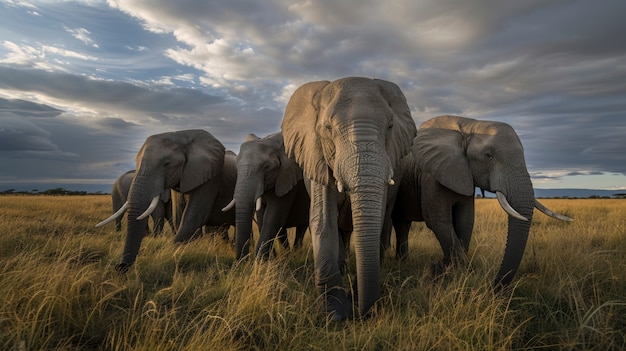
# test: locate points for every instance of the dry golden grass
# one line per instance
(58, 289)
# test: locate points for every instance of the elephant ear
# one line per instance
(289, 173)
(403, 130)
(205, 158)
(441, 153)
(299, 132)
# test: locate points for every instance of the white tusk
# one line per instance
(151, 208)
(119, 213)
(550, 213)
(506, 206)
(258, 203)
(391, 182)
(340, 187)
(230, 205)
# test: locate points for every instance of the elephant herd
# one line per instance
(349, 164)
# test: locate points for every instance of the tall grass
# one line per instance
(59, 291)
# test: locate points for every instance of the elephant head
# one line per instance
(119, 195)
(348, 136)
(182, 160)
(262, 166)
(463, 153)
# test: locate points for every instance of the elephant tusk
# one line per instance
(114, 216)
(339, 187)
(230, 205)
(506, 206)
(550, 213)
(391, 182)
(151, 208)
(258, 203)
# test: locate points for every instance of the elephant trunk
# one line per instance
(367, 191)
(520, 196)
(245, 196)
(138, 201)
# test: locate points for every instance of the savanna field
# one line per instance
(59, 291)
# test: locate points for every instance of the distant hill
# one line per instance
(570, 193)
(40, 188)
(582, 193)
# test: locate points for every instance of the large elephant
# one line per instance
(348, 136)
(451, 156)
(271, 184)
(119, 194)
(194, 163)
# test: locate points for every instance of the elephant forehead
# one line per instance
(255, 152)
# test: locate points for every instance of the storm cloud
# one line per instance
(84, 83)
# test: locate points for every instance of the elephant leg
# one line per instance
(158, 216)
(168, 216)
(344, 249)
(271, 229)
(300, 231)
(449, 242)
(463, 222)
(197, 211)
(327, 250)
(283, 237)
(402, 229)
(385, 234)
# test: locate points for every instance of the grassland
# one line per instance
(58, 289)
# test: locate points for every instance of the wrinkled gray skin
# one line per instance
(264, 171)
(195, 164)
(451, 156)
(119, 194)
(348, 136)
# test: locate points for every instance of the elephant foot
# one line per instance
(122, 267)
(338, 305)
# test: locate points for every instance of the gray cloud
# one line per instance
(553, 70)
(112, 95)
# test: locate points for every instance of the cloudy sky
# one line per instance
(83, 83)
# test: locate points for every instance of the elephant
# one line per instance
(450, 157)
(192, 162)
(348, 136)
(119, 193)
(271, 184)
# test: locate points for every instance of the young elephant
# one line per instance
(271, 184)
(450, 157)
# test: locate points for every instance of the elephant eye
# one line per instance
(489, 155)
(390, 125)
